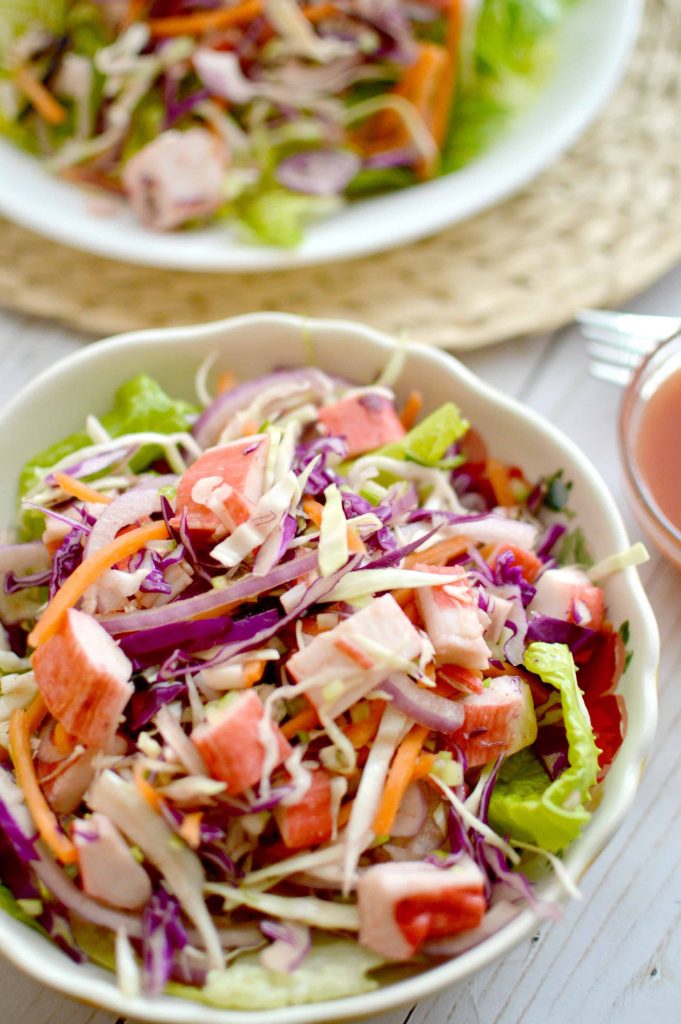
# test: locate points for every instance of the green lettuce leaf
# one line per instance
(333, 969)
(428, 442)
(140, 405)
(525, 804)
(279, 217)
(9, 905)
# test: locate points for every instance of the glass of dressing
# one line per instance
(650, 442)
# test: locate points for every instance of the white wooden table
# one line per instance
(615, 957)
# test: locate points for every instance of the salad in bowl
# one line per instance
(264, 114)
(304, 690)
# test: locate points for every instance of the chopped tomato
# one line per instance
(309, 822)
(432, 915)
(601, 673)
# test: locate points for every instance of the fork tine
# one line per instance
(640, 325)
(616, 341)
(619, 375)
(614, 356)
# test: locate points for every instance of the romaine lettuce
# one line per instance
(525, 804)
(334, 968)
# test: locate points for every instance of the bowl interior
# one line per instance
(584, 74)
(56, 403)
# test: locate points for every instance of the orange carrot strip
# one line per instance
(147, 791)
(399, 778)
(344, 813)
(355, 542)
(87, 573)
(77, 489)
(423, 767)
(251, 672)
(412, 407)
(62, 740)
(44, 818)
(301, 722)
(40, 98)
(361, 733)
(35, 713)
(403, 596)
(190, 829)
(438, 554)
(445, 97)
(240, 14)
(500, 480)
(313, 509)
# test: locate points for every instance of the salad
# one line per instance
(294, 689)
(264, 113)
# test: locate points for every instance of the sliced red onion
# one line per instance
(290, 947)
(151, 642)
(412, 813)
(402, 156)
(84, 527)
(549, 540)
(21, 557)
(128, 508)
(23, 845)
(213, 601)
(438, 713)
(318, 172)
(548, 630)
(61, 886)
(96, 463)
(214, 419)
(486, 528)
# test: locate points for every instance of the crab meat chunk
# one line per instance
(231, 744)
(499, 720)
(365, 421)
(569, 594)
(109, 872)
(402, 904)
(177, 177)
(84, 678)
(233, 476)
(339, 667)
(452, 620)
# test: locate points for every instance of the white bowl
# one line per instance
(594, 45)
(56, 403)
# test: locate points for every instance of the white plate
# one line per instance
(56, 402)
(593, 49)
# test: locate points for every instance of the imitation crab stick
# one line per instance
(43, 817)
(87, 573)
(77, 489)
(399, 777)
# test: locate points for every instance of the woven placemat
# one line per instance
(597, 227)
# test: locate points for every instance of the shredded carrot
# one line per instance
(87, 573)
(251, 672)
(147, 791)
(313, 509)
(423, 767)
(403, 596)
(399, 778)
(411, 610)
(301, 722)
(35, 713)
(344, 813)
(444, 99)
(239, 14)
(355, 543)
(190, 829)
(77, 489)
(412, 407)
(226, 381)
(62, 740)
(40, 98)
(361, 733)
(439, 554)
(500, 479)
(44, 818)
(136, 11)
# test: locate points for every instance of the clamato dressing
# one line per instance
(658, 447)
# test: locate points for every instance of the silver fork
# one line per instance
(617, 342)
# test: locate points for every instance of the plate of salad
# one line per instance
(317, 692)
(260, 134)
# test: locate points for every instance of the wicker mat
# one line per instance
(597, 227)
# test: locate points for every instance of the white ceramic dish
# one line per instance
(57, 401)
(593, 49)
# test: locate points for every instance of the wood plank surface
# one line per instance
(614, 957)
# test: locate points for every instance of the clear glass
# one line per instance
(655, 369)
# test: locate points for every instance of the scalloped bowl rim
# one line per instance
(39, 958)
(585, 74)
